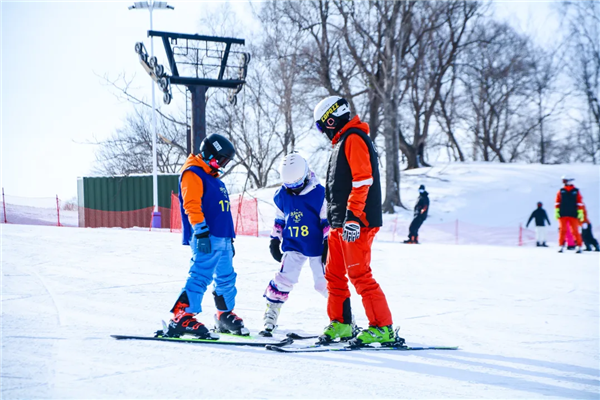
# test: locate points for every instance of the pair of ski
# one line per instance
(279, 346)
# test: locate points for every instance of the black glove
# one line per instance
(275, 251)
(232, 248)
(325, 250)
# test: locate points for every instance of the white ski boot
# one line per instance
(270, 318)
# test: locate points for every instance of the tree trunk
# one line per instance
(392, 174)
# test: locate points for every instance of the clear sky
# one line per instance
(53, 102)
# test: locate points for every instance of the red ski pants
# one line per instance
(571, 223)
(353, 260)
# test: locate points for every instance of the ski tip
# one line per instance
(274, 348)
(293, 335)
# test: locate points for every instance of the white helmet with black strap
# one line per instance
(331, 115)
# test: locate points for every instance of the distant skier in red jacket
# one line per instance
(569, 212)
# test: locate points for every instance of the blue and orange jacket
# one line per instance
(203, 198)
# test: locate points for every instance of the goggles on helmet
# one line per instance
(219, 162)
(297, 186)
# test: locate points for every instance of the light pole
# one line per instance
(151, 5)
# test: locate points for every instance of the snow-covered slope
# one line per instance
(471, 203)
(477, 203)
(526, 320)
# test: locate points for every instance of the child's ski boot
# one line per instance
(270, 318)
(184, 323)
(228, 322)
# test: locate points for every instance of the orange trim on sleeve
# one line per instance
(357, 154)
(192, 190)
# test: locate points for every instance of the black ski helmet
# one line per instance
(216, 150)
(331, 115)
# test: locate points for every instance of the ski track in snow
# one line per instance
(526, 321)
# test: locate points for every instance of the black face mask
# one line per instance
(333, 126)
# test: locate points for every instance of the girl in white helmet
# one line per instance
(299, 234)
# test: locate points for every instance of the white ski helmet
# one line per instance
(331, 114)
(567, 179)
(294, 172)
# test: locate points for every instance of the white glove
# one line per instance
(351, 231)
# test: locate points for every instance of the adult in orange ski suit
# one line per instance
(353, 195)
(569, 211)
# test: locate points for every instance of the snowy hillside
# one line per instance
(489, 201)
(471, 203)
(526, 321)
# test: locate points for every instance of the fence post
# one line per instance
(171, 214)
(520, 234)
(4, 206)
(57, 211)
(456, 232)
(239, 211)
(256, 208)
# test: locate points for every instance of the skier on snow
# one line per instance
(569, 209)
(420, 215)
(540, 216)
(301, 229)
(354, 213)
(208, 230)
(586, 233)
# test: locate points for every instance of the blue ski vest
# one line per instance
(302, 231)
(215, 206)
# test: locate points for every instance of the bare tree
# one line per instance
(129, 150)
(548, 101)
(377, 37)
(497, 75)
(448, 115)
(583, 44)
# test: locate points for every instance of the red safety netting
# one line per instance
(37, 211)
(142, 218)
(175, 225)
(245, 216)
(243, 210)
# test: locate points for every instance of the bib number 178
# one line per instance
(296, 231)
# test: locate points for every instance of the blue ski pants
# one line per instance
(204, 268)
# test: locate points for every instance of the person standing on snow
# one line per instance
(540, 225)
(569, 211)
(208, 229)
(586, 233)
(301, 230)
(353, 195)
(420, 215)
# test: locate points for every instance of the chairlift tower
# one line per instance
(197, 62)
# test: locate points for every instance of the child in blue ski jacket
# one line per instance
(300, 231)
(208, 230)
